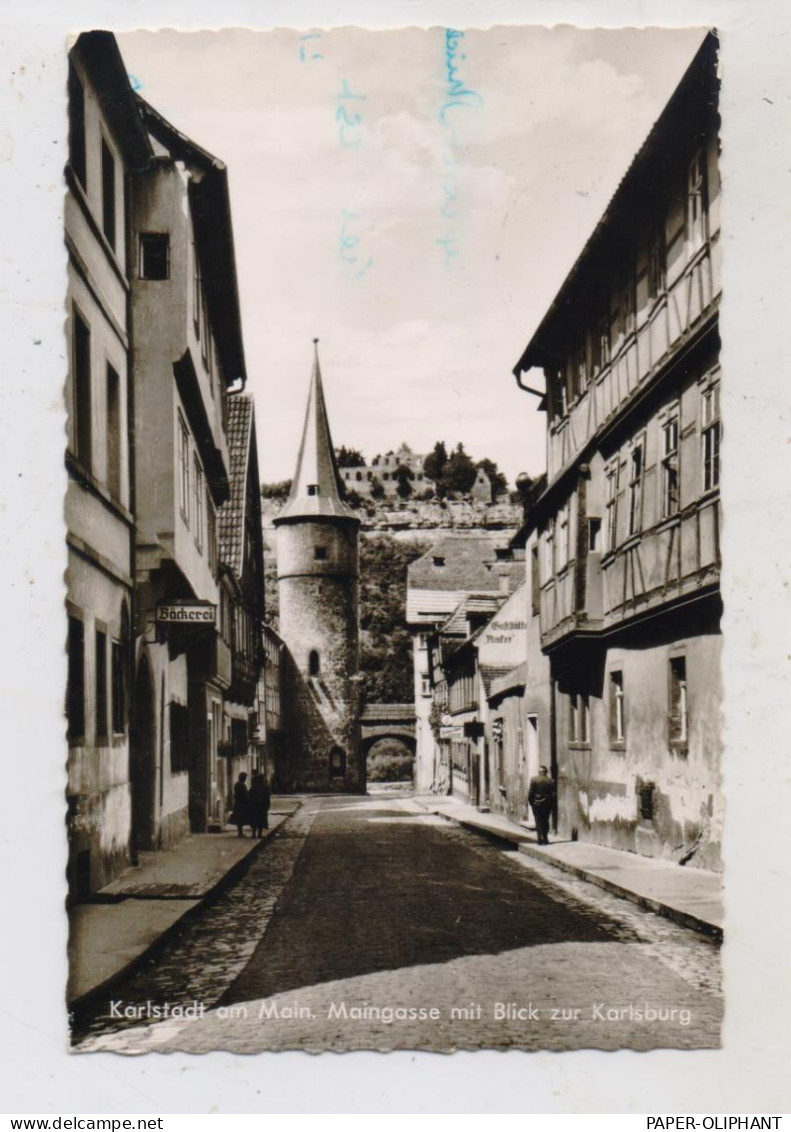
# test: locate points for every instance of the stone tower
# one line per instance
(318, 570)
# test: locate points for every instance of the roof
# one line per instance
(654, 148)
(316, 490)
(491, 672)
(231, 516)
(99, 54)
(211, 215)
(470, 604)
(468, 564)
(508, 682)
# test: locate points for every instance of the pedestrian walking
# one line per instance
(241, 804)
(259, 804)
(541, 799)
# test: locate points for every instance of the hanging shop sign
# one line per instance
(186, 613)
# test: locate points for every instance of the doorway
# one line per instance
(142, 770)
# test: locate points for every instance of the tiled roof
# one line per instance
(230, 519)
(514, 678)
(456, 624)
(491, 672)
(468, 564)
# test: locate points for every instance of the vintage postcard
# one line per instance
(393, 519)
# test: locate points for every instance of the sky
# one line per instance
(413, 198)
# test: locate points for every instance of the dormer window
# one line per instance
(313, 489)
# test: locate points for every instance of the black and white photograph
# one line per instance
(393, 521)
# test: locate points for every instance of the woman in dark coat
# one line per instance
(241, 804)
(259, 804)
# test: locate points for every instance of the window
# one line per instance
(101, 685)
(179, 737)
(75, 681)
(108, 194)
(198, 490)
(184, 471)
(594, 534)
(579, 718)
(113, 433)
(205, 344)
(612, 475)
(696, 203)
(211, 534)
(677, 714)
(154, 255)
(635, 488)
(320, 553)
(617, 715)
(710, 435)
(438, 560)
(535, 581)
(196, 291)
(600, 345)
(77, 127)
(563, 542)
(670, 493)
(425, 685)
(313, 489)
(81, 347)
(314, 665)
(656, 262)
(549, 549)
(422, 639)
(118, 688)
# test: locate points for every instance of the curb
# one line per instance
(86, 1000)
(683, 919)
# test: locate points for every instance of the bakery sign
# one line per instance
(186, 613)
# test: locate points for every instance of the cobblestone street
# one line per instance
(366, 923)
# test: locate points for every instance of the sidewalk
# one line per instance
(689, 896)
(132, 915)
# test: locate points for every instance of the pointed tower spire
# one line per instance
(316, 490)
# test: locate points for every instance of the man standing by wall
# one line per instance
(541, 799)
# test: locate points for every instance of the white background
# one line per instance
(751, 1073)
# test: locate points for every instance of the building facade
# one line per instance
(625, 538)
(241, 570)
(106, 142)
(188, 356)
(384, 473)
(318, 586)
(456, 565)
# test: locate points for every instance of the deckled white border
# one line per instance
(751, 1073)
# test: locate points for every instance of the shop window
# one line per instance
(154, 255)
(617, 708)
(75, 685)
